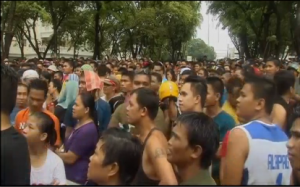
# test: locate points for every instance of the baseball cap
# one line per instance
(30, 74)
(112, 80)
(53, 68)
(294, 66)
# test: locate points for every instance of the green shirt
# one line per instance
(203, 177)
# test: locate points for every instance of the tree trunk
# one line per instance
(96, 54)
(9, 30)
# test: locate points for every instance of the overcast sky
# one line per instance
(218, 38)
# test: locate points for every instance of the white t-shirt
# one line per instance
(53, 169)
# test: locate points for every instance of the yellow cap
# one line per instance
(167, 89)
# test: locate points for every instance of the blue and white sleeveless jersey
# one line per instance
(267, 162)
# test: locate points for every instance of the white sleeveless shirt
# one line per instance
(267, 162)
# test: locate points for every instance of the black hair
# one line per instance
(157, 75)
(46, 75)
(95, 64)
(204, 71)
(57, 84)
(172, 74)
(149, 99)
(129, 74)
(124, 149)
(102, 70)
(143, 73)
(188, 72)
(59, 73)
(217, 85)
(198, 86)
(275, 61)
(88, 101)
(284, 80)
(201, 131)
(9, 82)
(262, 88)
(234, 82)
(71, 63)
(38, 84)
(46, 125)
(122, 70)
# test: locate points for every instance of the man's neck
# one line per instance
(188, 172)
(37, 150)
(109, 96)
(213, 111)
(144, 127)
(5, 122)
(21, 106)
(263, 117)
(55, 95)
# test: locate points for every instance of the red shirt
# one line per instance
(224, 145)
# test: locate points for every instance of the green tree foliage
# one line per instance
(156, 29)
(261, 28)
(197, 48)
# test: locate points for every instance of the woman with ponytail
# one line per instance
(46, 167)
(80, 145)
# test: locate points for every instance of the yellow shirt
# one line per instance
(231, 111)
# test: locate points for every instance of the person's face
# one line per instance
(183, 77)
(82, 85)
(159, 70)
(126, 84)
(187, 100)
(239, 74)
(97, 172)
(79, 110)
(212, 98)
(115, 70)
(201, 73)
(50, 71)
(78, 71)
(179, 152)
(225, 77)
(140, 81)
(169, 76)
(133, 111)
(40, 66)
(109, 66)
(32, 132)
(197, 67)
(51, 88)
(155, 84)
(108, 89)
(293, 145)
(183, 64)
(232, 98)
(36, 99)
(21, 96)
(271, 69)
(227, 68)
(57, 76)
(247, 105)
(67, 69)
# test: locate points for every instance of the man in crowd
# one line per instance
(141, 112)
(192, 147)
(15, 161)
(21, 101)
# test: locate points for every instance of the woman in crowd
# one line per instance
(46, 167)
(53, 94)
(82, 142)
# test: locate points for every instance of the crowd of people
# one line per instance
(138, 122)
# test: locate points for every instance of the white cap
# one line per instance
(183, 69)
(29, 74)
(52, 68)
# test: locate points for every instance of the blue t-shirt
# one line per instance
(224, 97)
(13, 114)
(103, 115)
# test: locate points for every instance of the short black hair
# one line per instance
(198, 86)
(217, 85)
(275, 61)
(9, 82)
(46, 125)
(102, 70)
(57, 84)
(59, 73)
(157, 75)
(143, 73)
(124, 149)
(70, 62)
(129, 74)
(201, 131)
(263, 88)
(149, 99)
(122, 70)
(284, 80)
(234, 82)
(38, 84)
(46, 75)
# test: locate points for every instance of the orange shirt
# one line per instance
(22, 117)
